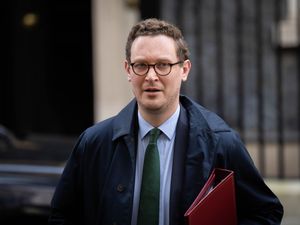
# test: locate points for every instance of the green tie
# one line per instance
(149, 198)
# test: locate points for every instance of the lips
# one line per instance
(152, 90)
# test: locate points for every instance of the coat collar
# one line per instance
(125, 121)
(199, 118)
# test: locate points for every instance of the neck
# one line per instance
(155, 117)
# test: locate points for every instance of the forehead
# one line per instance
(152, 47)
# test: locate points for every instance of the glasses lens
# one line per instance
(140, 68)
(162, 68)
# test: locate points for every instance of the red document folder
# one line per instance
(215, 204)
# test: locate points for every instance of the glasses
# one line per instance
(162, 69)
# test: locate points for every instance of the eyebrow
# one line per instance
(156, 60)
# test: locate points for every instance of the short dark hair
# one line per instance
(152, 27)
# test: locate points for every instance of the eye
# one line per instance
(140, 66)
(162, 66)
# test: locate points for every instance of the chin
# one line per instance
(152, 105)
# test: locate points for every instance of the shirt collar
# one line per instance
(168, 127)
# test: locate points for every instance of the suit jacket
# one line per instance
(97, 184)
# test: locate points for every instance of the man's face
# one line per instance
(154, 93)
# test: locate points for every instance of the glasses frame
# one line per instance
(154, 67)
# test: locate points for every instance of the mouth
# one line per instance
(152, 90)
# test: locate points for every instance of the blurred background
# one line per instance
(62, 71)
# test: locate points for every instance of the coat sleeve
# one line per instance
(256, 203)
(66, 201)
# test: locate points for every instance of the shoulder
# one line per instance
(108, 130)
(99, 130)
(94, 137)
(209, 123)
(202, 117)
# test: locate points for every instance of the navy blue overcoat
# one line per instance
(96, 187)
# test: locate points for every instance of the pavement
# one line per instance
(288, 188)
(288, 191)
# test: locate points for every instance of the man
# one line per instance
(104, 181)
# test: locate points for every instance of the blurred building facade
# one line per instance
(245, 57)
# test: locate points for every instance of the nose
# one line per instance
(151, 75)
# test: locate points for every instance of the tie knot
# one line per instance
(154, 134)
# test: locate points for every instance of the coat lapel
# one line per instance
(178, 168)
(194, 153)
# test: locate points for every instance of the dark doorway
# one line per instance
(149, 9)
(46, 77)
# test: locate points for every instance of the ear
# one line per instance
(127, 70)
(186, 69)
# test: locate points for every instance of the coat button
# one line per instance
(120, 188)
